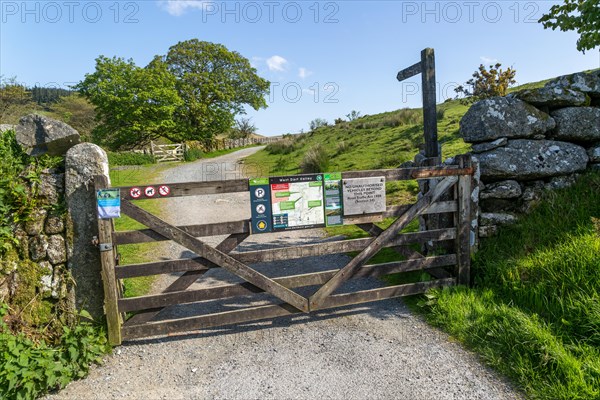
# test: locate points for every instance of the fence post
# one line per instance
(109, 279)
(463, 237)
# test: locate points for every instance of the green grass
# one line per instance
(534, 312)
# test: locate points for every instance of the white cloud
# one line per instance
(304, 73)
(180, 7)
(488, 60)
(276, 63)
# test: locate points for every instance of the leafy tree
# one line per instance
(134, 105)
(488, 83)
(582, 16)
(15, 100)
(242, 129)
(215, 84)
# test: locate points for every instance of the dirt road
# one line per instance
(375, 351)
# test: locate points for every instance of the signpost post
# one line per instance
(426, 67)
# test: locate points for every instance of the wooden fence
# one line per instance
(176, 152)
(222, 144)
(445, 269)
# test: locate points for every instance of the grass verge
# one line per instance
(534, 311)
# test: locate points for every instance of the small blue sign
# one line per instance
(109, 203)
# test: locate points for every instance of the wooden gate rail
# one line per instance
(455, 179)
(241, 185)
(293, 281)
(243, 226)
(255, 314)
(283, 253)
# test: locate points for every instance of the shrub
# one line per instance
(29, 368)
(487, 83)
(192, 154)
(315, 160)
(318, 123)
(440, 113)
(282, 147)
(342, 147)
(129, 158)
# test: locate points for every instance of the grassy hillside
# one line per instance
(383, 140)
(377, 141)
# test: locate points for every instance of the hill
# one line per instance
(383, 140)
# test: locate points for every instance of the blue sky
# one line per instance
(323, 58)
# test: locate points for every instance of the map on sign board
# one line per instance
(297, 202)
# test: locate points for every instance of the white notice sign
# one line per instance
(364, 195)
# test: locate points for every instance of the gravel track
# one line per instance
(374, 351)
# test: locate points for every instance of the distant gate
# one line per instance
(167, 152)
(445, 269)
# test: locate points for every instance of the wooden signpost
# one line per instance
(426, 67)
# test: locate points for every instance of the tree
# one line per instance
(215, 84)
(242, 129)
(133, 105)
(488, 83)
(582, 16)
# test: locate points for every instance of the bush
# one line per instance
(130, 158)
(192, 154)
(487, 83)
(318, 123)
(282, 147)
(440, 112)
(315, 160)
(342, 147)
(29, 369)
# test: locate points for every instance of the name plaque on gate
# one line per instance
(363, 196)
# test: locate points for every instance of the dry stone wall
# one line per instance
(530, 141)
(56, 262)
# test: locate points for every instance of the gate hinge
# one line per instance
(105, 246)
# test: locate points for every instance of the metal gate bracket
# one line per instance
(106, 246)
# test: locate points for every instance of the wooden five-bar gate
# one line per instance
(445, 270)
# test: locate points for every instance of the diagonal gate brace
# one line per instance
(218, 257)
(377, 243)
